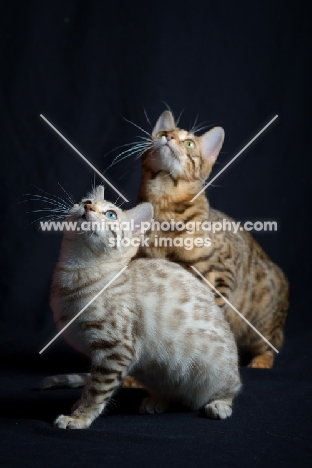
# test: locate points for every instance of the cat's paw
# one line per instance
(69, 422)
(131, 382)
(263, 361)
(152, 405)
(219, 409)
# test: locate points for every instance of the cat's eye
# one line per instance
(161, 134)
(110, 214)
(189, 144)
(86, 201)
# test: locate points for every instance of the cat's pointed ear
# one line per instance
(211, 144)
(140, 217)
(97, 193)
(165, 122)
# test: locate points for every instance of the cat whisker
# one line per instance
(139, 155)
(54, 218)
(69, 195)
(45, 200)
(57, 210)
(178, 119)
(148, 120)
(136, 145)
(145, 139)
(138, 149)
(194, 125)
(200, 128)
(120, 146)
(54, 196)
(140, 128)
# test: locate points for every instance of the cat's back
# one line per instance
(167, 280)
(174, 301)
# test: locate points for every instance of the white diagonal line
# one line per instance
(84, 308)
(83, 157)
(233, 159)
(235, 310)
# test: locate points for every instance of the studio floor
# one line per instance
(270, 426)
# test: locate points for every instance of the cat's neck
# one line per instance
(169, 194)
(74, 256)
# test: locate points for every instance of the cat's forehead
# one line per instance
(107, 205)
(183, 134)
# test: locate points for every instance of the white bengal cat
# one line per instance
(155, 321)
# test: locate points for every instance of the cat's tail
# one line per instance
(64, 380)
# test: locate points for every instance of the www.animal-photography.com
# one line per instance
(155, 237)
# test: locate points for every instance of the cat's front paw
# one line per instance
(131, 382)
(263, 361)
(69, 422)
(152, 405)
(219, 409)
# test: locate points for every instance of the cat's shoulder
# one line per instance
(153, 264)
(217, 215)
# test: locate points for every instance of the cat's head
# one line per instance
(181, 153)
(103, 227)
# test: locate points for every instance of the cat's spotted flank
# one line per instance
(175, 169)
(156, 322)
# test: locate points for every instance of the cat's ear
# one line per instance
(211, 144)
(165, 122)
(140, 217)
(97, 194)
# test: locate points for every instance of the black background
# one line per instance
(85, 66)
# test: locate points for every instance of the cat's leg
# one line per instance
(263, 354)
(272, 320)
(64, 380)
(131, 382)
(263, 361)
(216, 394)
(224, 281)
(219, 409)
(154, 404)
(104, 380)
(263, 357)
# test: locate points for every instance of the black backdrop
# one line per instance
(85, 66)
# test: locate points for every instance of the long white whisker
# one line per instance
(57, 210)
(69, 196)
(47, 193)
(194, 125)
(145, 139)
(196, 130)
(140, 128)
(139, 150)
(178, 119)
(137, 147)
(120, 146)
(139, 155)
(45, 200)
(45, 217)
(147, 117)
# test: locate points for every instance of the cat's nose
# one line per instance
(170, 136)
(88, 207)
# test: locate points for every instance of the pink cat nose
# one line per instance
(88, 207)
(170, 136)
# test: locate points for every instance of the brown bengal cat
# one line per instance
(175, 167)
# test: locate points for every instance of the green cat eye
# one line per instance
(110, 214)
(161, 134)
(189, 143)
